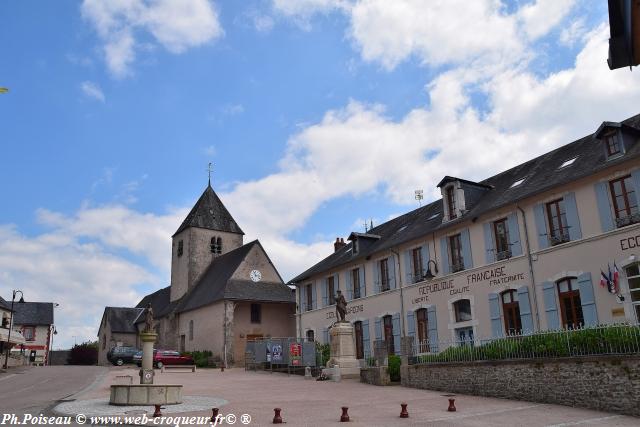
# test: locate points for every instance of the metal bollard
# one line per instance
(221, 368)
(452, 406)
(345, 415)
(214, 412)
(157, 412)
(404, 413)
(277, 419)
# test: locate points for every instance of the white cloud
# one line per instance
(175, 24)
(573, 33)
(541, 16)
(92, 90)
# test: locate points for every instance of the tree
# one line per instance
(84, 354)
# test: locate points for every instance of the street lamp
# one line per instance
(55, 332)
(13, 299)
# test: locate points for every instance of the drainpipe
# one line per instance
(533, 281)
(404, 332)
(299, 310)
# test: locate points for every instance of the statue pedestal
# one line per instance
(343, 352)
(147, 373)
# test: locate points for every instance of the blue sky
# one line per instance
(317, 115)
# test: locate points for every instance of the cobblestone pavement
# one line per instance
(313, 403)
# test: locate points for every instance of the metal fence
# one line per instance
(287, 354)
(589, 341)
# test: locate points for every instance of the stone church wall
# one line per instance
(257, 260)
(207, 328)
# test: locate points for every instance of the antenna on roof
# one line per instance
(371, 227)
(419, 196)
(210, 169)
(365, 226)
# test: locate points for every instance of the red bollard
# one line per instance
(157, 413)
(345, 416)
(404, 413)
(452, 406)
(277, 419)
(214, 412)
(221, 368)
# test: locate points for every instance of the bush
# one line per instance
(323, 353)
(84, 354)
(394, 367)
(201, 358)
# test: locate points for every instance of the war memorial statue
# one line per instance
(341, 307)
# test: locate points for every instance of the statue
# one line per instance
(148, 321)
(341, 307)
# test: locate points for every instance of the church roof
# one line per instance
(122, 319)
(216, 284)
(159, 300)
(210, 213)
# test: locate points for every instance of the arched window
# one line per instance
(219, 245)
(423, 334)
(633, 278)
(213, 246)
(570, 305)
(190, 330)
(462, 309)
(511, 310)
(310, 336)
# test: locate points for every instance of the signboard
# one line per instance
(276, 353)
(295, 354)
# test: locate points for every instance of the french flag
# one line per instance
(604, 280)
(616, 277)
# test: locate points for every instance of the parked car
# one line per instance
(137, 358)
(169, 357)
(121, 355)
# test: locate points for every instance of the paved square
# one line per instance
(317, 403)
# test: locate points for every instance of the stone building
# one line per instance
(222, 291)
(35, 321)
(522, 251)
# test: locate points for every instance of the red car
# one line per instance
(168, 357)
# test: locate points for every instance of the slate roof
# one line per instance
(210, 213)
(33, 313)
(541, 174)
(159, 302)
(215, 284)
(4, 304)
(122, 319)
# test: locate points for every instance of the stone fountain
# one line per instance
(146, 393)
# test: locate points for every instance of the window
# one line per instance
(310, 336)
(451, 202)
(29, 333)
(190, 330)
(633, 278)
(384, 275)
(501, 234)
(387, 323)
(180, 248)
(570, 305)
(423, 334)
(612, 142)
(462, 310)
(625, 205)
(416, 256)
(219, 244)
(309, 294)
(511, 310)
(455, 253)
(355, 280)
(355, 246)
(256, 313)
(359, 341)
(331, 290)
(557, 218)
(216, 245)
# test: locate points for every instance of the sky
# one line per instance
(318, 115)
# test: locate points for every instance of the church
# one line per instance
(223, 292)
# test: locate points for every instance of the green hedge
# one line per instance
(323, 353)
(201, 358)
(614, 339)
(394, 368)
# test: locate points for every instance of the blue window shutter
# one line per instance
(313, 297)
(325, 335)
(378, 325)
(432, 329)
(363, 283)
(587, 299)
(604, 207)
(425, 258)
(526, 317)
(408, 271)
(376, 277)
(366, 341)
(336, 281)
(303, 301)
(349, 281)
(573, 220)
(494, 313)
(466, 249)
(395, 322)
(411, 325)
(550, 307)
(325, 294)
(392, 271)
(541, 226)
(635, 178)
(488, 243)
(514, 234)
(444, 255)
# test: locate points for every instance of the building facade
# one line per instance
(519, 252)
(223, 292)
(35, 321)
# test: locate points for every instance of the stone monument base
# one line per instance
(343, 362)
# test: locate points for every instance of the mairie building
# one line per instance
(520, 252)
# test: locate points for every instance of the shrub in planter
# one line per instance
(394, 368)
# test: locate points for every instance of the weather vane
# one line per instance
(419, 196)
(210, 169)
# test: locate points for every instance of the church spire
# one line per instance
(210, 169)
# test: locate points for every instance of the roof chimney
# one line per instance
(339, 243)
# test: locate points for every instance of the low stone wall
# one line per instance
(603, 383)
(378, 375)
(59, 357)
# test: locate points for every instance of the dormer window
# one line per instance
(355, 247)
(451, 202)
(612, 143)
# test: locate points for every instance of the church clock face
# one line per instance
(255, 275)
